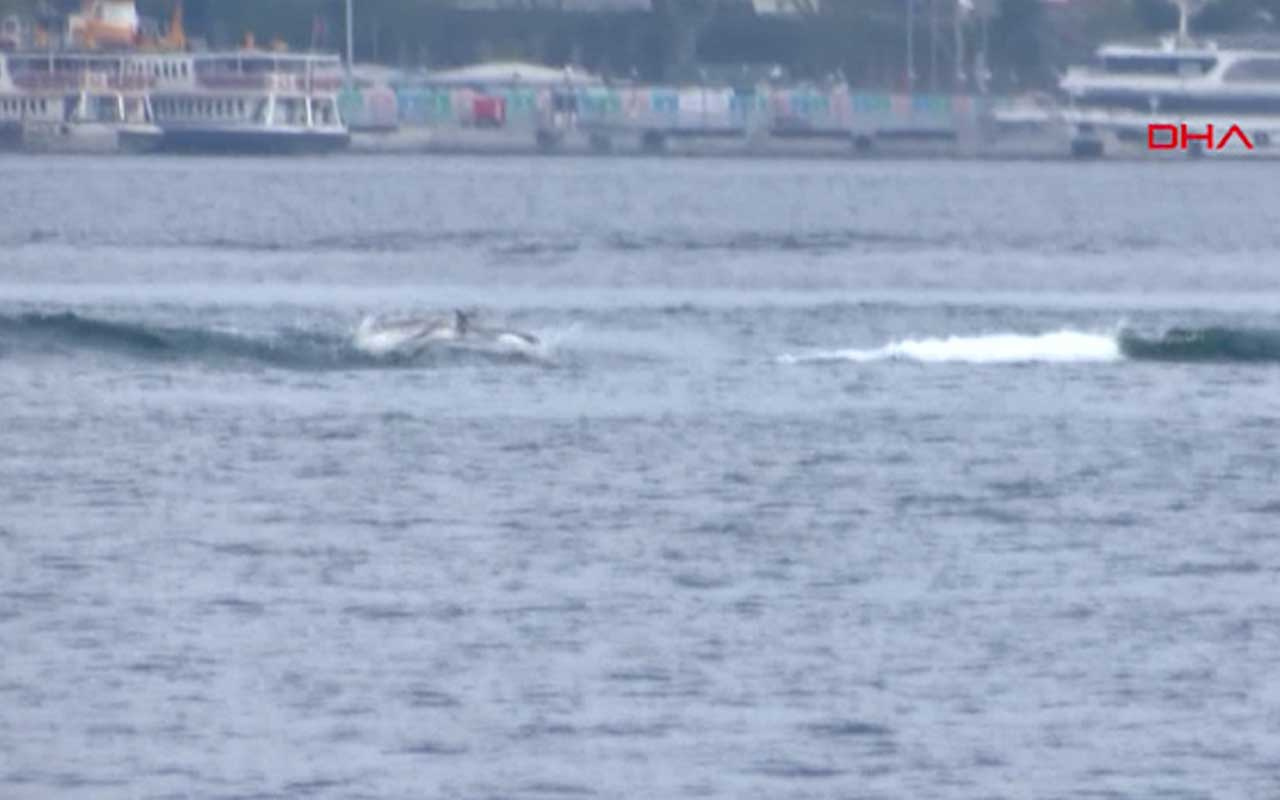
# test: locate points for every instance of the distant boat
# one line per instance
(1177, 80)
(74, 102)
(251, 101)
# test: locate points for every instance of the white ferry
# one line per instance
(62, 101)
(1175, 82)
(247, 101)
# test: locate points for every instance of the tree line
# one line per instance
(1014, 43)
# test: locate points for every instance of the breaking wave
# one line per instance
(68, 333)
(1213, 344)
(999, 348)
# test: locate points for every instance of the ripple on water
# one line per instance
(379, 613)
(428, 747)
(558, 789)
(842, 728)
(1209, 568)
(427, 697)
(791, 769)
(237, 605)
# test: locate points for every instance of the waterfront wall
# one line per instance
(788, 112)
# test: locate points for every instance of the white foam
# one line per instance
(378, 339)
(999, 348)
(413, 336)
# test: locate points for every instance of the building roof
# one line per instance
(508, 72)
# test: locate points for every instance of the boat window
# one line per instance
(323, 112)
(105, 109)
(1254, 69)
(291, 111)
(1158, 65)
(260, 113)
(1184, 104)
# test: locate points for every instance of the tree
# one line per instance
(1017, 44)
(682, 23)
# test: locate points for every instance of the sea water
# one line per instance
(827, 479)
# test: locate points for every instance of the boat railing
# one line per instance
(63, 81)
(271, 82)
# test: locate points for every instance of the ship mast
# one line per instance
(1185, 9)
(350, 42)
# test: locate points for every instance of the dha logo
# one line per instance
(1178, 137)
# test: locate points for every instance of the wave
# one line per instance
(1212, 344)
(1216, 344)
(529, 243)
(999, 348)
(68, 333)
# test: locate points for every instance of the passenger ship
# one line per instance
(248, 101)
(1173, 82)
(109, 87)
(74, 102)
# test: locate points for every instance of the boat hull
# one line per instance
(89, 138)
(10, 136)
(253, 141)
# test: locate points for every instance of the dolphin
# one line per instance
(415, 333)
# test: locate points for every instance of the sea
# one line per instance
(811, 479)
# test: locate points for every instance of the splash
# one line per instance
(415, 336)
(1000, 348)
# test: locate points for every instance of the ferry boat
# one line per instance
(75, 102)
(1177, 81)
(246, 101)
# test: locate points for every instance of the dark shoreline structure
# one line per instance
(522, 108)
(863, 97)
